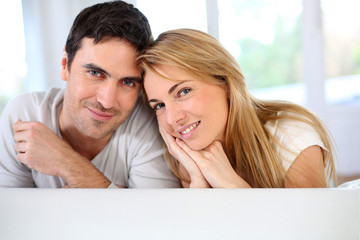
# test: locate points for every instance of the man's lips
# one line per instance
(99, 115)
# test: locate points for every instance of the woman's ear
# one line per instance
(64, 66)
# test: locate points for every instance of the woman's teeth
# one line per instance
(189, 129)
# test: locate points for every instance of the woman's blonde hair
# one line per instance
(248, 144)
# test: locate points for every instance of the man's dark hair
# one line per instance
(109, 19)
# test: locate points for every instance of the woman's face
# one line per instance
(187, 107)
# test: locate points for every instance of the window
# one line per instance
(166, 15)
(12, 48)
(341, 24)
(264, 36)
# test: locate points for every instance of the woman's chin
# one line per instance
(197, 146)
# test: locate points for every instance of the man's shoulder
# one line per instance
(33, 106)
(141, 121)
(51, 96)
(37, 97)
(142, 112)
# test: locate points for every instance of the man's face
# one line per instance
(102, 87)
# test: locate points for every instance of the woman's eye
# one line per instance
(158, 106)
(184, 91)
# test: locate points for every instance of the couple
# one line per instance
(97, 133)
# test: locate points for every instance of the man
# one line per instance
(96, 132)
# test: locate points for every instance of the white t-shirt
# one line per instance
(133, 157)
(295, 136)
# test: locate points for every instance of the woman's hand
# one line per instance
(197, 180)
(209, 165)
(215, 166)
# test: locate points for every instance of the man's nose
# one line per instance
(108, 94)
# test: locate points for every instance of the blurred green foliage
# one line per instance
(356, 59)
(278, 63)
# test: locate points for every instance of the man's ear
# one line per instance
(64, 66)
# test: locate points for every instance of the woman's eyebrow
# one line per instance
(170, 90)
(176, 85)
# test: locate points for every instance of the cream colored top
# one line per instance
(294, 137)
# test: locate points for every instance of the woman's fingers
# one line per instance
(179, 150)
(193, 154)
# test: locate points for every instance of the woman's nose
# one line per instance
(175, 114)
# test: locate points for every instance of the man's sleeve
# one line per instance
(12, 172)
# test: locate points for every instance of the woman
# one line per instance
(217, 134)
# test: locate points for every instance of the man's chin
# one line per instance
(98, 129)
(99, 132)
(99, 135)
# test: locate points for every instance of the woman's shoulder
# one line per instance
(289, 123)
(294, 133)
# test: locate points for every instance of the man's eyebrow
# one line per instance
(170, 90)
(135, 79)
(92, 66)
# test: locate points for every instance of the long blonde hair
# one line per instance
(248, 144)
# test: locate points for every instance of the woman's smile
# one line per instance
(187, 131)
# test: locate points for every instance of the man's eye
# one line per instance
(95, 73)
(129, 83)
(184, 91)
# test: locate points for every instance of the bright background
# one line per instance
(305, 51)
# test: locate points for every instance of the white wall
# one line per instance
(344, 124)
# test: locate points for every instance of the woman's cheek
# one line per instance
(161, 122)
(165, 126)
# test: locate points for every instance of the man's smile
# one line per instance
(100, 115)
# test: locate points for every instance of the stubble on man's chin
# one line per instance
(99, 129)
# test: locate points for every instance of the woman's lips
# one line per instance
(187, 131)
(100, 116)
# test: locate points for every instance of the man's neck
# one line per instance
(86, 146)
